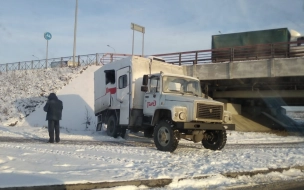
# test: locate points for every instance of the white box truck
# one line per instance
(158, 98)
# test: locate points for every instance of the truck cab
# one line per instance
(175, 105)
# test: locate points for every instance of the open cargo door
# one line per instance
(123, 94)
(101, 92)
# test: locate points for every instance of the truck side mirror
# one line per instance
(145, 80)
(144, 88)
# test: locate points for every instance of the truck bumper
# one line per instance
(205, 126)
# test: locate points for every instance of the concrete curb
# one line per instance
(149, 182)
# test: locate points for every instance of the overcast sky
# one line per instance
(171, 25)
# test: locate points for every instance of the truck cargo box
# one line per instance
(106, 92)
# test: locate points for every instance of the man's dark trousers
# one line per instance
(53, 124)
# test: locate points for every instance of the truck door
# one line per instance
(123, 94)
(152, 96)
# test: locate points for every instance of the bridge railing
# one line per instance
(81, 60)
(241, 53)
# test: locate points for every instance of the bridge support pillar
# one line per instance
(270, 66)
(229, 70)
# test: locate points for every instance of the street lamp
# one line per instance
(112, 48)
(35, 56)
(75, 32)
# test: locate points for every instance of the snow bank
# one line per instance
(24, 93)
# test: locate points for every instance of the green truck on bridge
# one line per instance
(256, 45)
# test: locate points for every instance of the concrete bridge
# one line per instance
(255, 91)
(253, 87)
(268, 78)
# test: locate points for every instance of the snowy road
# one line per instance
(139, 141)
(88, 156)
(75, 160)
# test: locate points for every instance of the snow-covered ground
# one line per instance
(85, 155)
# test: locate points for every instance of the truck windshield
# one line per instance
(180, 85)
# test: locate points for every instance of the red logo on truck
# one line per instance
(111, 90)
(151, 103)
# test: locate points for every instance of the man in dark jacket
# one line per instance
(53, 107)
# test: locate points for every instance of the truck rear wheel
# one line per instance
(214, 139)
(112, 127)
(164, 137)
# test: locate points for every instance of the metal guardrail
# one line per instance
(241, 53)
(81, 60)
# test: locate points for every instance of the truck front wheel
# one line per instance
(214, 139)
(164, 137)
(112, 127)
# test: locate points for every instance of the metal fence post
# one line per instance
(6, 67)
(180, 59)
(61, 62)
(196, 54)
(288, 50)
(19, 66)
(32, 63)
(232, 54)
(96, 58)
(78, 60)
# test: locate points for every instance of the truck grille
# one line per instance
(205, 111)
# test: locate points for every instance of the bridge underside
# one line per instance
(259, 98)
(277, 87)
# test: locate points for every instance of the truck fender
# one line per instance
(160, 114)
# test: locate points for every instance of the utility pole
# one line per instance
(75, 31)
(47, 51)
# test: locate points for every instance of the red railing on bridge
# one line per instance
(240, 53)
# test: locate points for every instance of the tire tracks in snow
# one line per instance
(134, 142)
(72, 153)
(75, 149)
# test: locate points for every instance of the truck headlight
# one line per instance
(182, 116)
(179, 114)
(227, 117)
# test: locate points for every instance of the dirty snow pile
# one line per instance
(21, 91)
